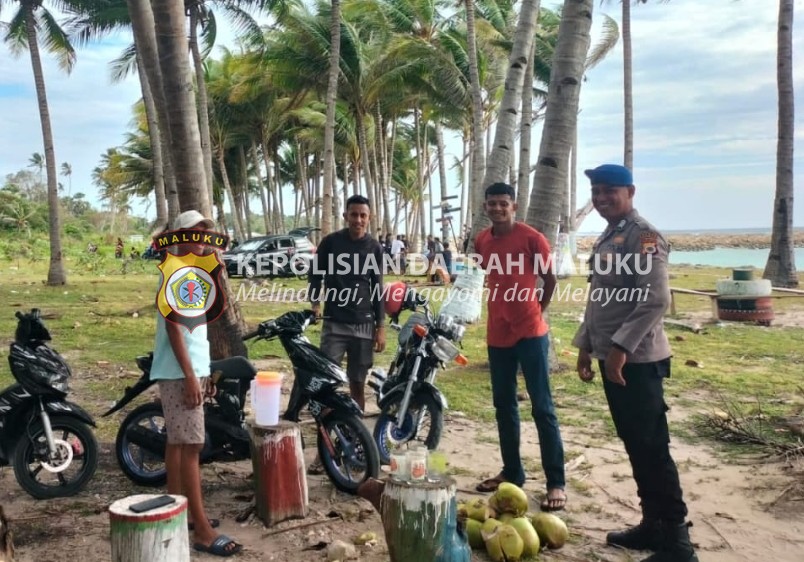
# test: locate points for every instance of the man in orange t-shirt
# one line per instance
(515, 256)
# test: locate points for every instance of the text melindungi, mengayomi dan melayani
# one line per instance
(344, 264)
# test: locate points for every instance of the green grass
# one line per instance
(104, 318)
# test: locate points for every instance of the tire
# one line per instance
(139, 465)
(388, 436)
(355, 457)
(31, 450)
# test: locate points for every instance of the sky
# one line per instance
(704, 112)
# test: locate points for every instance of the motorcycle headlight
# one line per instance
(444, 349)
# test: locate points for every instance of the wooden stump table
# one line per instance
(280, 477)
(420, 521)
(158, 535)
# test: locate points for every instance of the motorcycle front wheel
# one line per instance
(423, 409)
(64, 473)
(142, 465)
(347, 451)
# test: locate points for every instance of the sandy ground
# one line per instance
(741, 511)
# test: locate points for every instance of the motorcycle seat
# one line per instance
(238, 368)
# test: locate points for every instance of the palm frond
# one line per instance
(17, 35)
(56, 42)
(124, 65)
(609, 40)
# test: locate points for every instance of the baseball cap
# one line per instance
(189, 219)
(611, 174)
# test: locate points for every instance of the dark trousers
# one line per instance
(639, 411)
(504, 363)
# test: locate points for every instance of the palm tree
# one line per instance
(478, 155)
(67, 172)
(37, 162)
(329, 127)
(560, 120)
(499, 160)
(781, 265)
(23, 32)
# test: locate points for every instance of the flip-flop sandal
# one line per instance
(214, 523)
(560, 502)
(219, 547)
(490, 484)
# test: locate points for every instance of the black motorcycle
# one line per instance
(411, 407)
(142, 437)
(345, 445)
(46, 438)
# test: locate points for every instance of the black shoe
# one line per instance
(648, 535)
(676, 546)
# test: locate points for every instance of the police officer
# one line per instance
(622, 329)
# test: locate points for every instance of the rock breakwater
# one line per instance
(707, 241)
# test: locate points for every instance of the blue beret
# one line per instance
(611, 174)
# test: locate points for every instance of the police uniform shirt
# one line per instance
(629, 293)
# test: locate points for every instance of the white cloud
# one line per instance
(704, 97)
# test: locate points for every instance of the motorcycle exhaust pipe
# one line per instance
(148, 439)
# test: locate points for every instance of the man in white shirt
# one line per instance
(398, 254)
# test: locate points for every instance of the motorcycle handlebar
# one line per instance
(251, 335)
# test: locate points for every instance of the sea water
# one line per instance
(730, 257)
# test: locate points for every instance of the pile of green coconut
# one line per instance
(506, 530)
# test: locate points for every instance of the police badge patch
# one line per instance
(189, 292)
(648, 240)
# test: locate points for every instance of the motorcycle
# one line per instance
(47, 438)
(411, 407)
(347, 451)
(142, 436)
(344, 443)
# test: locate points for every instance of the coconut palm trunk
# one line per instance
(526, 126)
(157, 160)
(56, 274)
(329, 126)
(499, 162)
(168, 18)
(203, 103)
(182, 116)
(628, 94)
(478, 154)
(561, 117)
(781, 265)
(142, 26)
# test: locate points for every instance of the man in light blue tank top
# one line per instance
(181, 367)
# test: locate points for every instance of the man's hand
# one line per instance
(614, 363)
(584, 366)
(316, 308)
(379, 339)
(193, 397)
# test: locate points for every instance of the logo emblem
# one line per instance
(648, 240)
(189, 293)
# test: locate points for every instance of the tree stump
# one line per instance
(420, 521)
(6, 542)
(158, 535)
(280, 477)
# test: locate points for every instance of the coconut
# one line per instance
(552, 530)
(478, 510)
(510, 498)
(529, 536)
(504, 544)
(489, 525)
(473, 533)
(505, 517)
(461, 510)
